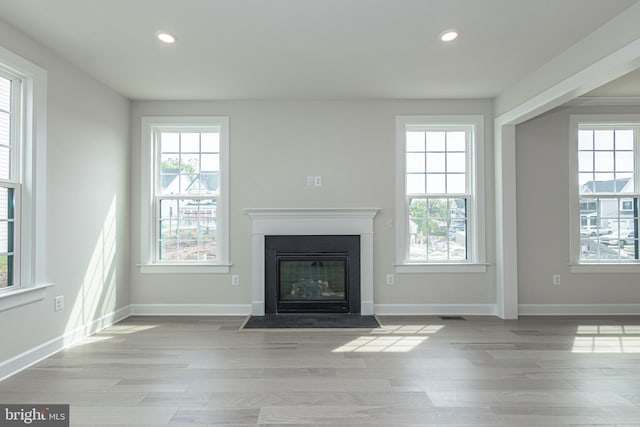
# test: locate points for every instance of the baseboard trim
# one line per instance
(32, 356)
(579, 309)
(190, 309)
(435, 309)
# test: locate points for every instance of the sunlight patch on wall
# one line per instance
(97, 294)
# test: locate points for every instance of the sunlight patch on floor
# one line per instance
(92, 340)
(409, 329)
(372, 344)
(129, 329)
(390, 339)
(607, 339)
(608, 329)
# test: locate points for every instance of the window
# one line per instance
(605, 164)
(439, 191)
(186, 180)
(9, 177)
(23, 88)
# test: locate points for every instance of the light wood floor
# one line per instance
(418, 371)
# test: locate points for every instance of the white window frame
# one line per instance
(475, 211)
(14, 180)
(148, 210)
(577, 265)
(30, 283)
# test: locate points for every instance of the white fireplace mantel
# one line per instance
(320, 221)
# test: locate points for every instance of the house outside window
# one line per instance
(439, 193)
(185, 178)
(604, 166)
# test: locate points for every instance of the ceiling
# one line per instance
(625, 86)
(317, 49)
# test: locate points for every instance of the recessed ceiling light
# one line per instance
(165, 37)
(448, 35)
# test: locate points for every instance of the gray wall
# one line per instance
(87, 203)
(543, 189)
(273, 147)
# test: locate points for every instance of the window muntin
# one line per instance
(184, 179)
(26, 178)
(438, 229)
(189, 165)
(10, 182)
(7, 235)
(607, 156)
(7, 94)
(606, 160)
(436, 162)
(189, 162)
(438, 186)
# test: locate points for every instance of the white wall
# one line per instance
(543, 188)
(274, 146)
(87, 207)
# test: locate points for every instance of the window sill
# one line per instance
(15, 298)
(441, 268)
(605, 268)
(184, 268)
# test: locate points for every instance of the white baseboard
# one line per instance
(578, 309)
(32, 356)
(523, 309)
(435, 309)
(190, 309)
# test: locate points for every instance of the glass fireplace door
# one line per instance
(312, 283)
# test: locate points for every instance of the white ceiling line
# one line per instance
(604, 55)
(609, 68)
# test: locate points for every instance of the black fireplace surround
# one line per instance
(312, 274)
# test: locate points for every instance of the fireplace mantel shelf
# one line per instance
(309, 221)
(306, 212)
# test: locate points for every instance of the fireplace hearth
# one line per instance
(312, 274)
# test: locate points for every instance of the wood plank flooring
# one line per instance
(416, 371)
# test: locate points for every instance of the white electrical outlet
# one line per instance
(310, 180)
(389, 279)
(556, 279)
(58, 303)
(235, 279)
(317, 181)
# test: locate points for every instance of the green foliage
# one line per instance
(429, 214)
(173, 163)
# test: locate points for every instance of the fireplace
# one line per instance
(312, 274)
(310, 221)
